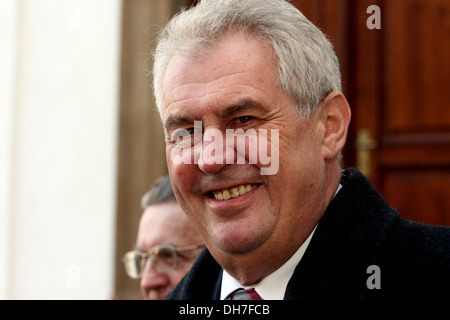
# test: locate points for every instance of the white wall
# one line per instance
(59, 92)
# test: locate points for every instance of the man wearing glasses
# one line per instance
(167, 243)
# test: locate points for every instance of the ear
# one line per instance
(336, 115)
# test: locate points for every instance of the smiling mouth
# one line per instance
(234, 192)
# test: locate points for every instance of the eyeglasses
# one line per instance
(164, 258)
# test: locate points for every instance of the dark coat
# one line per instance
(358, 229)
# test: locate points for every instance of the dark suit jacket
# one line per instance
(357, 230)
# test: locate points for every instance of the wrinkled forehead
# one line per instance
(230, 47)
(230, 70)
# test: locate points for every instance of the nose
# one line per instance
(211, 161)
(153, 283)
(212, 156)
(215, 153)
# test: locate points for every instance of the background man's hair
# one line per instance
(160, 192)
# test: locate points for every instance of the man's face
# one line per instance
(162, 224)
(235, 86)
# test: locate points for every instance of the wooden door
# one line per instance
(397, 81)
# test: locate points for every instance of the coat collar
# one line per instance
(347, 241)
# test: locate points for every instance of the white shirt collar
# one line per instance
(272, 287)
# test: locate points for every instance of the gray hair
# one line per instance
(160, 192)
(308, 68)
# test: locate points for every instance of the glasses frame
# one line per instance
(152, 253)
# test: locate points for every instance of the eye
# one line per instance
(244, 119)
(185, 137)
(180, 133)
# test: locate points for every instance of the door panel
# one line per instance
(417, 71)
(405, 187)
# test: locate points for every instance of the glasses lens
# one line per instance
(165, 259)
(134, 264)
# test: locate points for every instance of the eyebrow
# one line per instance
(174, 121)
(240, 107)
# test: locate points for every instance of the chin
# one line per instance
(238, 242)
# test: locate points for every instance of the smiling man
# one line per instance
(260, 67)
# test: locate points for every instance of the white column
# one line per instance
(8, 36)
(59, 129)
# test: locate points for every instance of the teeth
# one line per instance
(233, 192)
(226, 195)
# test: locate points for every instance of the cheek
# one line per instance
(183, 179)
(180, 172)
(176, 275)
(269, 151)
(300, 161)
(180, 183)
(299, 145)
